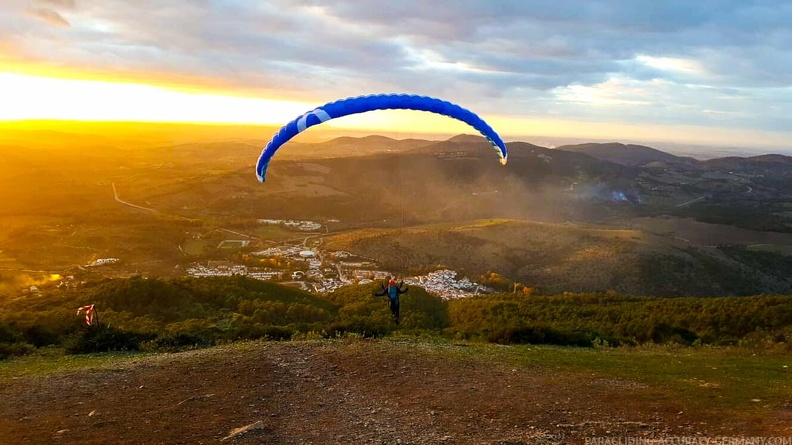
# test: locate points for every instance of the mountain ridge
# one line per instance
(626, 154)
(201, 190)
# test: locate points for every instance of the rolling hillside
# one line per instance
(144, 196)
(556, 257)
(626, 154)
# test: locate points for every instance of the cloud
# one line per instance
(709, 61)
(50, 16)
(67, 4)
(48, 11)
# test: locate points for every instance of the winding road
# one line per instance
(115, 196)
(692, 201)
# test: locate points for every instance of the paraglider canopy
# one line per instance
(361, 104)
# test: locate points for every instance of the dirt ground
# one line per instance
(360, 392)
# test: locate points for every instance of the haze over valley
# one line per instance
(578, 218)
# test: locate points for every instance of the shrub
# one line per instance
(269, 332)
(178, 342)
(365, 327)
(104, 339)
(14, 349)
(539, 335)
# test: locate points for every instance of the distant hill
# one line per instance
(467, 138)
(348, 147)
(531, 162)
(198, 189)
(629, 154)
(559, 257)
(771, 164)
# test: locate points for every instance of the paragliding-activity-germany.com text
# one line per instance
(689, 440)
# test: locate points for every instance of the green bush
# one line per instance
(539, 335)
(179, 342)
(14, 349)
(7, 334)
(270, 332)
(40, 335)
(365, 327)
(104, 339)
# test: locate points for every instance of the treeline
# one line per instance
(586, 319)
(158, 314)
(764, 216)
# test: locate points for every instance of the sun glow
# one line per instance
(35, 97)
(38, 97)
(679, 65)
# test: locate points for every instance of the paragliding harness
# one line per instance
(392, 292)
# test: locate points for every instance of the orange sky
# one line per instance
(38, 95)
(699, 72)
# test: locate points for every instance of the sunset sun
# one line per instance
(38, 97)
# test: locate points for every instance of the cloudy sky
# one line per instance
(704, 71)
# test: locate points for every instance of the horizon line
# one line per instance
(319, 135)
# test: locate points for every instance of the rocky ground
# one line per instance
(339, 392)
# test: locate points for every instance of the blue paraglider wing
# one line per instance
(361, 104)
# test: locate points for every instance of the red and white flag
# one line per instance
(89, 313)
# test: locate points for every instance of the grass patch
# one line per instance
(782, 249)
(729, 380)
(232, 244)
(54, 361)
(734, 379)
(275, 232)
(196, 247)
(716, 382)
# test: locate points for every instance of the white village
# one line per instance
(315, 270)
